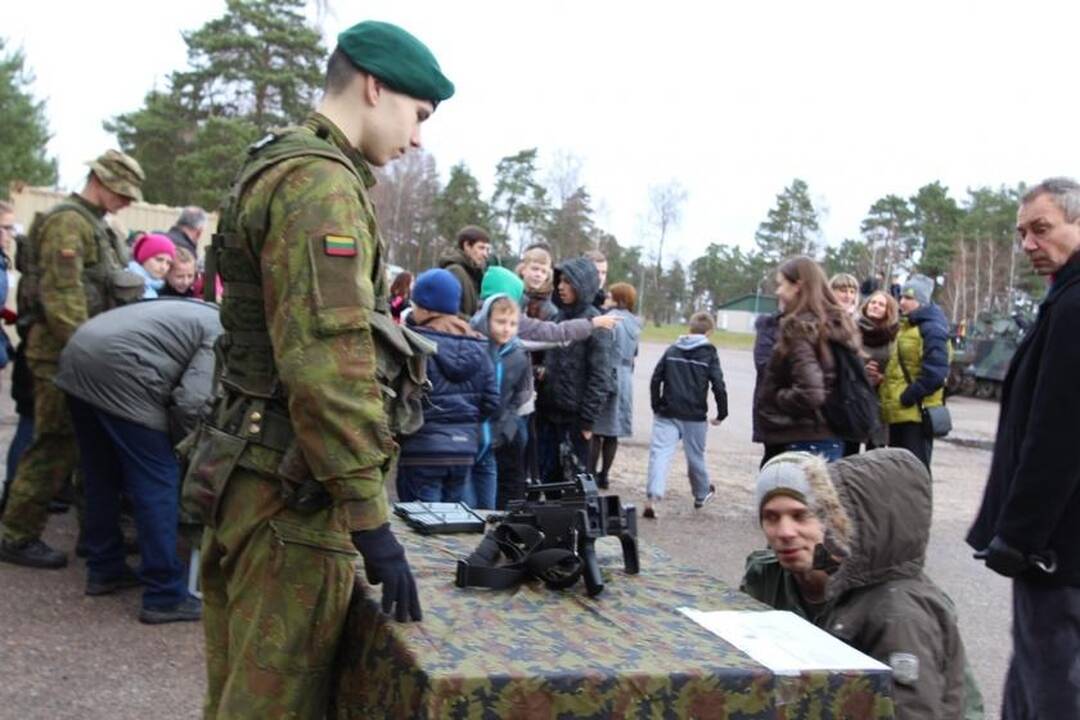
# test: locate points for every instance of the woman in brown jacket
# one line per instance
(802, 371)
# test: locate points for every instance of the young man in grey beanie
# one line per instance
(847, 543)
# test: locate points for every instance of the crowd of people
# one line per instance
(321, 377)
(527, 362)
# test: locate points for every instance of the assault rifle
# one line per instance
(551, 533)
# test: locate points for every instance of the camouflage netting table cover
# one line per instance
(536, 653)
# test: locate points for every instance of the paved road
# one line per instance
(68, 656)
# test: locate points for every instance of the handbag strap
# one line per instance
(907, 376)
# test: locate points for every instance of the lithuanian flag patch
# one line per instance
(339, 246)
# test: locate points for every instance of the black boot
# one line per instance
(602, 481)
(32, 553)
(188, 610)
(126, 579)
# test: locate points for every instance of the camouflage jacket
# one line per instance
(69, 247)
(310, 223)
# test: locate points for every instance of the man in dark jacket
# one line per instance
(1026, 528)
(577, 379)
(137, 380)
(679, 392)
(847, 544)
(467, 263)
(436, 461)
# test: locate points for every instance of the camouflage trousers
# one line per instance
(47, 463)
(276, 587)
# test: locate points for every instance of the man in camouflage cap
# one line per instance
(73, 271)
(289, 473)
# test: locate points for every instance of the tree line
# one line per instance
(260, 65)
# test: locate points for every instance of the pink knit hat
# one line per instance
(150, 245)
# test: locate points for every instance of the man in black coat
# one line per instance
(1026, 528)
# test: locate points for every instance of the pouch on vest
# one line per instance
(212, 459)
(401, 369)
(124, 287)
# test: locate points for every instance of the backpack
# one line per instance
(851, 408)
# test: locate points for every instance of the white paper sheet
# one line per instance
(782, 641)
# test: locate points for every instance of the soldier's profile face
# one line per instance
(792, 531)
(114, 202)
(1045, 235)
(395, 126)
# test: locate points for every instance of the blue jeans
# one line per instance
(432, 483)
(480, 489)
(829, 450)
(666, 434)
(121, 457)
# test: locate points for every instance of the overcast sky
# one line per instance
(860, 99)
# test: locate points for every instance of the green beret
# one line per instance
(397, 58)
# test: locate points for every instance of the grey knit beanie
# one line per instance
(784, 474)
(918, 287)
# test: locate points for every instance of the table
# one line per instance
(535, 653)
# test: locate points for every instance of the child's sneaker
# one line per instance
(698, 504)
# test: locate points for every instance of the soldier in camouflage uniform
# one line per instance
(75, 271)
(289, 474)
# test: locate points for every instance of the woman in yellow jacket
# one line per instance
(922, 350)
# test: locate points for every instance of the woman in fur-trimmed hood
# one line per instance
(802, 370)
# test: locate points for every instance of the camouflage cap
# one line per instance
(397, 58)
(120, 173)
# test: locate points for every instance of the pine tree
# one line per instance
(256, 67)
(791, 227)
(24, 129)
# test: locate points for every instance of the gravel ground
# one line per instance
(69, 656)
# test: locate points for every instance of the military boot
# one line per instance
(32, 553)
(108, 586)
(188, 610)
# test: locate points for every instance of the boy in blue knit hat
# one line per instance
(436, 461)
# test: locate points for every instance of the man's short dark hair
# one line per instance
(470, 235)
(340, 71)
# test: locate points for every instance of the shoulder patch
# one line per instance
(339, 246)
(905, 667)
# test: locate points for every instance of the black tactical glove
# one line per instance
(1006, 560)
(384, 562)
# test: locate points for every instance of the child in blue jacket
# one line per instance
(437, 460)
